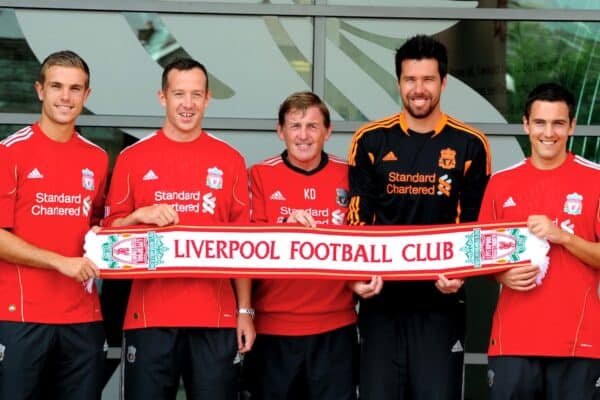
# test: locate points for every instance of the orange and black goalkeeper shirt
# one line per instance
(401, 177)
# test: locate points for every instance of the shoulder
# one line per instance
(18, 139)
(590, 166)
(92, 147)
(139, 146)
(268, 162)
(224, 148)
(376, 126)
(337, 163)
(508, 172)
(466, 129)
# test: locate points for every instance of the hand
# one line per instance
(245, 333)
(521, 279)
(448, 286)
(79, 268)
(303, 218)
(157, 214)
(367, 289)
(542, 227)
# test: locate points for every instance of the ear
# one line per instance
(525, 125)
(162, 98)
(572, 126)
(280, 132)
(329, 130)
(86, 94)
(444, 82)
(38, 89)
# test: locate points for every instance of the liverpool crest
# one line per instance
(447, 159)
(573, 204)
(214, 179)
(87, 179)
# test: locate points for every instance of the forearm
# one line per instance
(243, 288)
(586, 251)
(16, 250)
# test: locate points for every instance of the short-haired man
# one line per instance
(177, 327)
(306, 328)
(418, 167)
(545, 340)
(52, 184)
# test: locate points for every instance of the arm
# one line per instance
(586, 251)
(240, 213)
(15, 250)
(245, 326)
(361, 176)
(362, 206)
(477, 170)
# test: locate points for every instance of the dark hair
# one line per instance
(182, 64)
(302, 101)
(419, 47)
(64, 58)
(552, 92)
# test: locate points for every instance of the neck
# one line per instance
(182, 136)
(543, 164)
(57, 132)
(426, 124)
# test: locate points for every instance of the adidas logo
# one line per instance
(509, 203)
(150, 176)
(390, 157)
(457, 348)
(598, 383)
(35, 174)
(277, 196)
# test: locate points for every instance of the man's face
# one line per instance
(62, 94)
(420, 87)
(304, 134)
(185, 99)
(549, 129)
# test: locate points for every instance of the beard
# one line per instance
(420, 112)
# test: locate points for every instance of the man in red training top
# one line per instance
(306, 328)
(545, 339)
(182, 327)
(52, 184)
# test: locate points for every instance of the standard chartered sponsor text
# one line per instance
(57, 204)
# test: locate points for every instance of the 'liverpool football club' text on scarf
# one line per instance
(290, 251)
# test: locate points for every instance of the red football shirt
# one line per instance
(561, 317)
(296, 306)
(206, 183)
(50, 194)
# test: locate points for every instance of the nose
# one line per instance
(303, 133)
(547, 130)
(188, 101)
(65, 93)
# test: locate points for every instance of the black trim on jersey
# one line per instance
(322, 164)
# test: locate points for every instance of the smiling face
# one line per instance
(304, 133)
(420, 88)
(185, 99)
(549, 128)
(63, 94)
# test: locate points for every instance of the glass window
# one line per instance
(492, 65)
(254, 63)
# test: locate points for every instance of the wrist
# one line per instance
(246, 311)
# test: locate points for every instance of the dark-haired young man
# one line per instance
(182, 327)
(545, 340)
(417, 167)
(52, 184)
